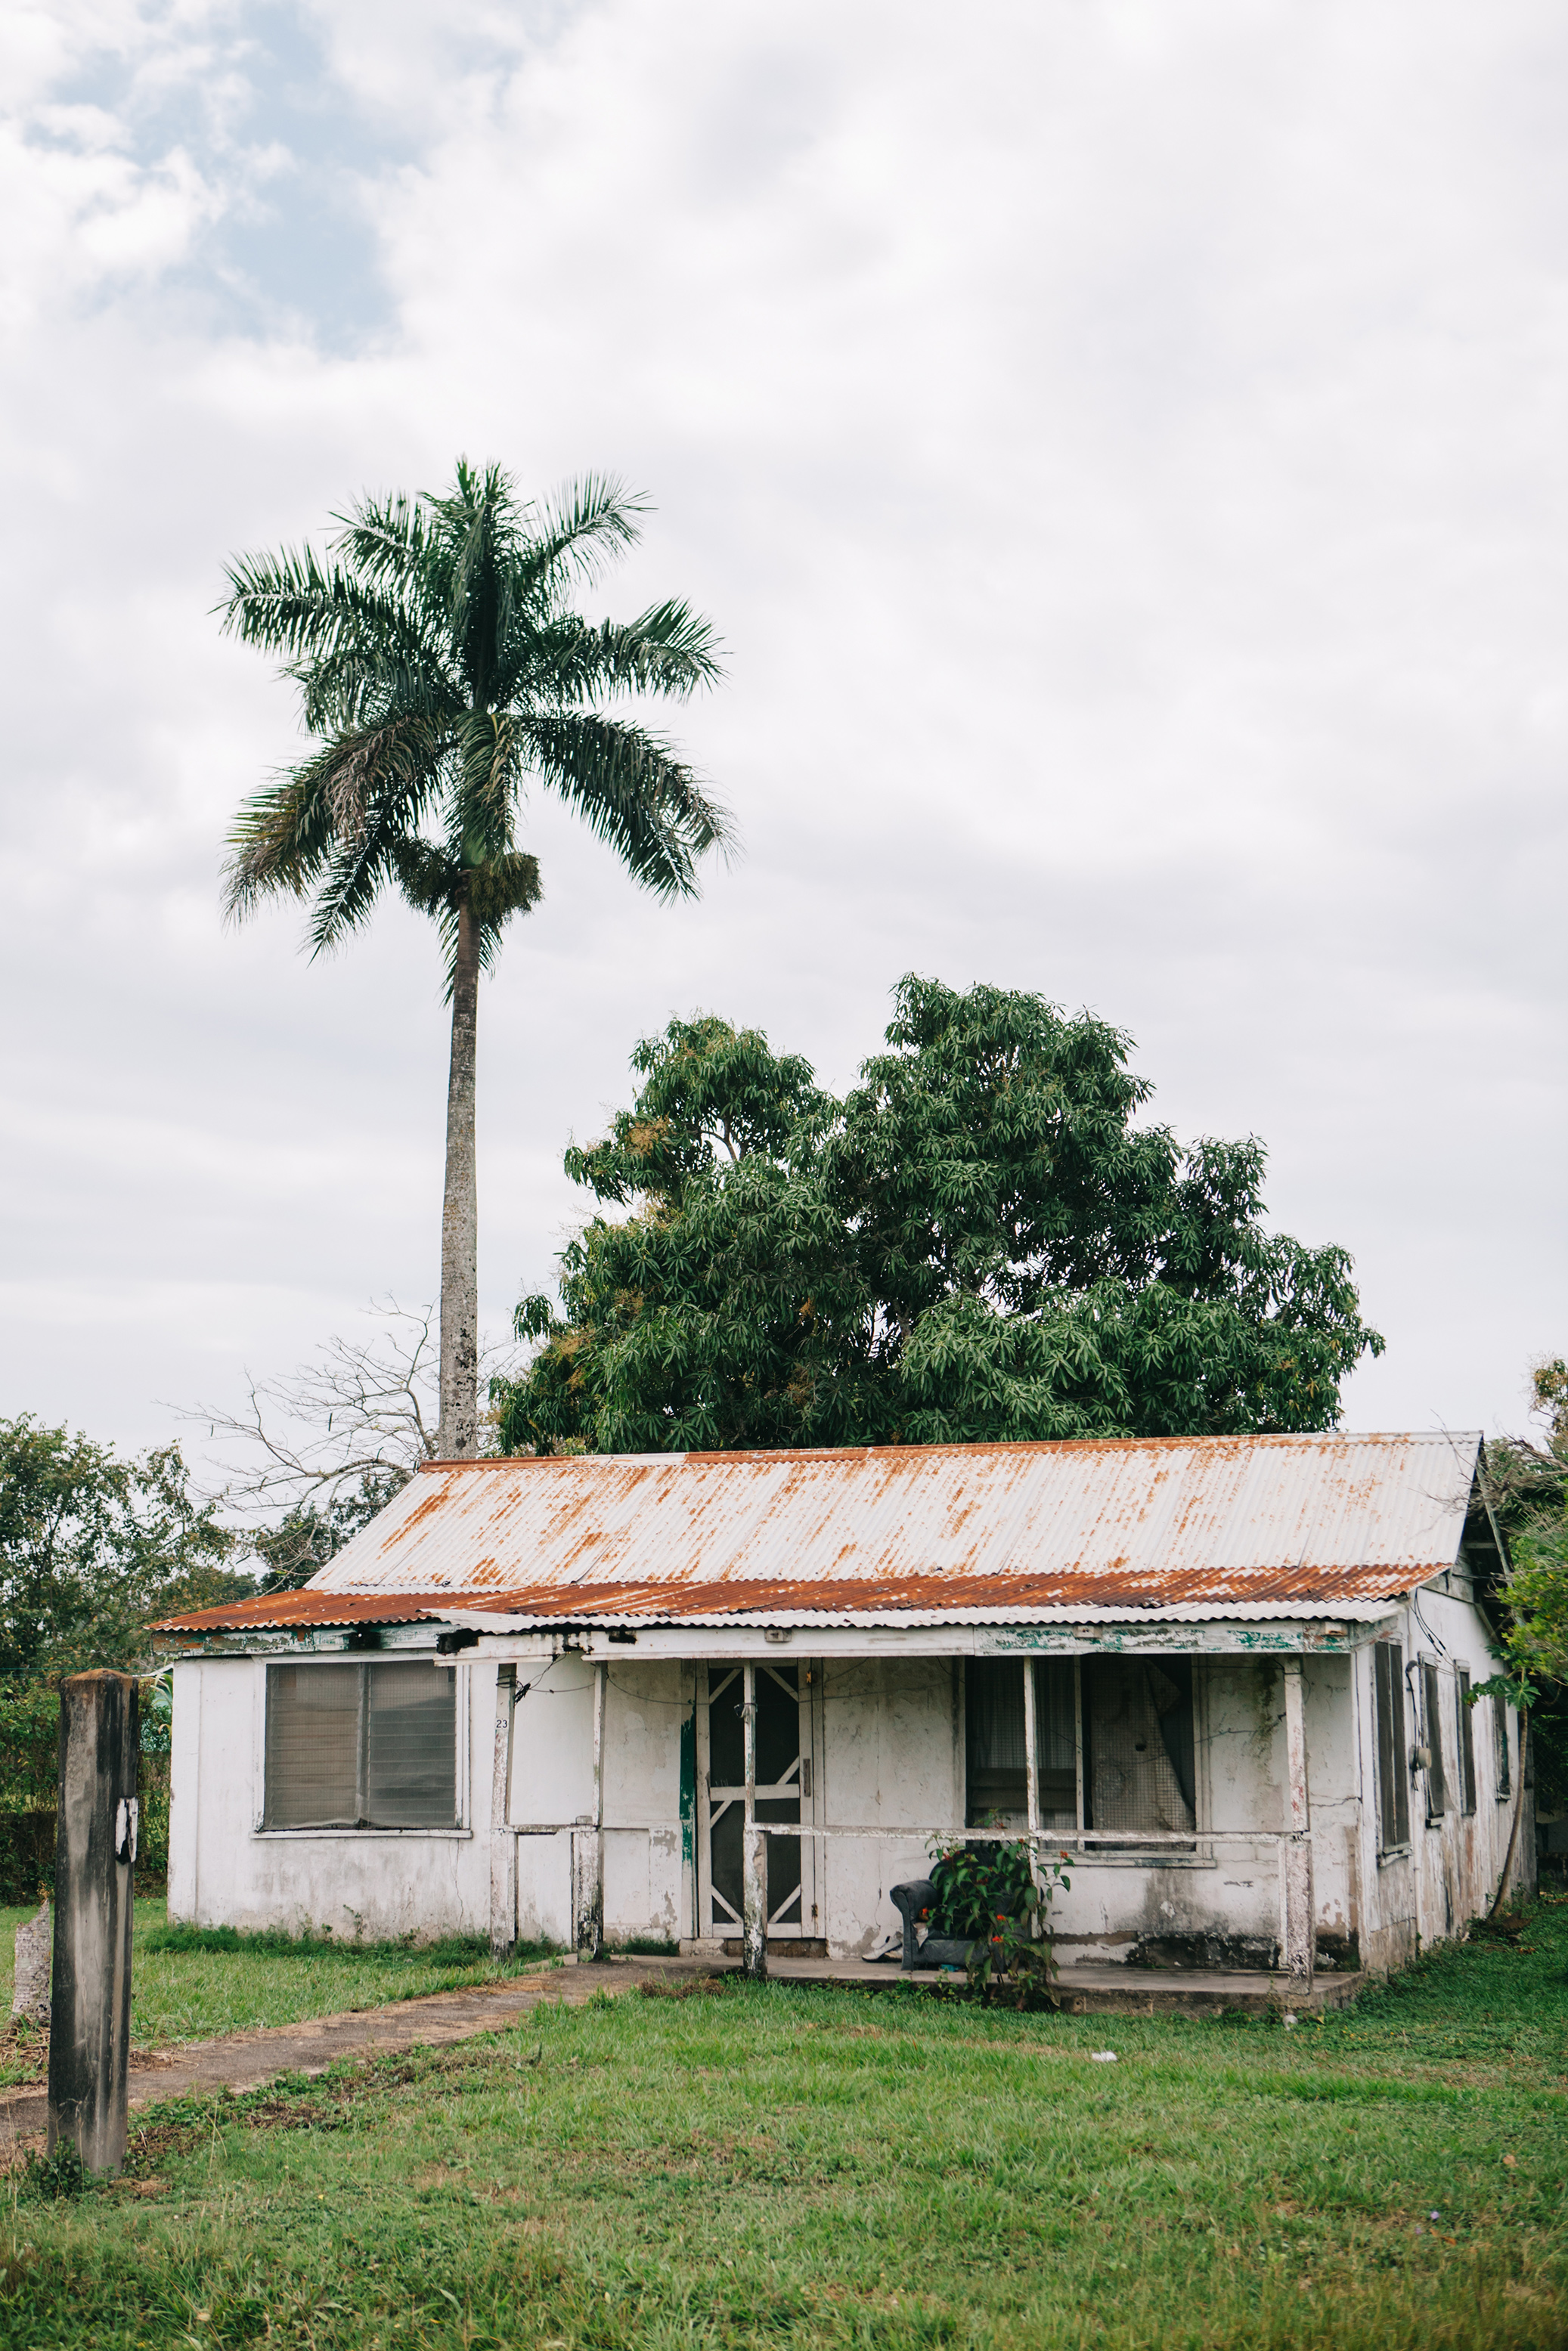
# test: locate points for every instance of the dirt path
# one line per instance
(245, 2061)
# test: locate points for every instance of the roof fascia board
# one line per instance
(664, 1642)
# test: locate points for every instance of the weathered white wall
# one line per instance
(223, 1871)
(648, 1880)
(892, 1752)
(1451, 1871)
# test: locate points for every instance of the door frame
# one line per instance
(807, 1771)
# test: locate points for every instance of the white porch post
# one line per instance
(503, 1843)
(1301, 1939)
(588, 1845)
(754, 1846)
(1031, 1768)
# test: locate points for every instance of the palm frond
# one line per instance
(631, 790)
(582, 527)
(668, 650)
(289, 833)
(288, 604)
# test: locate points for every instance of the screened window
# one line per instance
(1432, 1710)
(1393, 1793)
(1500, 1738)
(362, 1746)
(1467, 1746)
(1129, 1717)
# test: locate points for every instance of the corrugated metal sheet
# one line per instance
(1279, 1526)
(278, 1609)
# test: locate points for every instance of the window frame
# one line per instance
(462, 1828)
(1432, 1739)
(1502, 1753)
(1135, 1851)
(1466, 1741)
(1390, 1748)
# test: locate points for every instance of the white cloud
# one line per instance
(1122, 450)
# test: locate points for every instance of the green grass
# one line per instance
(792, 2165)
(188, 1983)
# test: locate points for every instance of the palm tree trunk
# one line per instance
(458, 1437)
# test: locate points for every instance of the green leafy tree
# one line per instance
(441, 666)
(312, 1532)
(1527, 1483)
(93, 1548)
(977, 1241)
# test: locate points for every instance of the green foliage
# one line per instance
(1528, 1489)
(310, 1535)
(439, 666)
(977, 1242)
(976, 1885)
(988, 1895)
(92, 1547)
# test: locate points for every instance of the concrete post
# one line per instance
(95, 1852)
(1300, 1931)
(503, 1843)
(753, 1847)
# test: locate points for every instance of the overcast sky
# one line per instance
(1122, 448)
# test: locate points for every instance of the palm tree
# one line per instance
(441, 666)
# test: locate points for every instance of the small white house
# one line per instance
(680, 1695)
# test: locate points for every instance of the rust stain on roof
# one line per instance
(278, 1610)
(1254, 1521)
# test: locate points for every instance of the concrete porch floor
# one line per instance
(1103, 1991)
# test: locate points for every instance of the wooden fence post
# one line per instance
(95, 1852)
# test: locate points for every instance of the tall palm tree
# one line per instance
(441, 666)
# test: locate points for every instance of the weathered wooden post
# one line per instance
(503, 1843)
(1300, 1933)
(588, 1843)
(95, 1854)
(1032, 1769)
(753, 1848)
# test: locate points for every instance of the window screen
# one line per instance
(993, 1714)
(362, 1746)
(1138, 1744)
(1466, 1745)
(1393, 1793)
(1500, 1738)
(1432, 1710)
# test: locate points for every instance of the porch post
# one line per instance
(587, 1844)
(503, 1843)
(1031, 1767)
(1301, 1939)
(753, 1846)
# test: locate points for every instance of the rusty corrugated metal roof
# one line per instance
(1283, 1526)
(277, 1611)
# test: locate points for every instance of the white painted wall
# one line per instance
(224, 1871)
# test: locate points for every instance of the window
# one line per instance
(1499, 1737)
(1393, 1793)
(362, 1746)
(1432, 1714)
(1130, 1717)
(1467, 1746)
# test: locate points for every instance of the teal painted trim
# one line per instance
(689, 1789)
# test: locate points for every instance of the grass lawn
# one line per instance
(787, 2165)
(181, 1991)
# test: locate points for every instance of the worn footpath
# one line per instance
(245, 2061)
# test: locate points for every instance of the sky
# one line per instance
(1120, 447)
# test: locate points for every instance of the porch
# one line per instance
(789, 1842)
